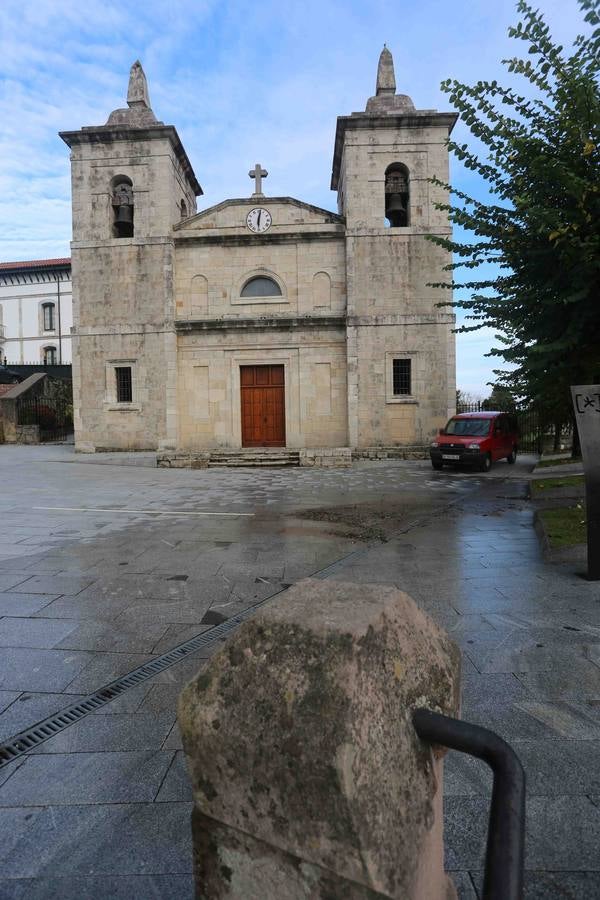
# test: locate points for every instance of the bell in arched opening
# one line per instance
(396, 195)
(122, 204)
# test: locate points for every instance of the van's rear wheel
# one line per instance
(512, 457)
(486, 463)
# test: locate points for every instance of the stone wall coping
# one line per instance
(356, 121)
(106, 134)
(333, 217)
(391, 319)
(272, 322)
(242, 239)
(20, 389)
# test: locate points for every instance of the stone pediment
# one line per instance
(287, 214)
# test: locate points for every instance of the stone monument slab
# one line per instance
(302, 754)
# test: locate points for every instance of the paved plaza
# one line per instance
(107, 562)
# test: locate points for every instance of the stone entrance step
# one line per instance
(259, 457)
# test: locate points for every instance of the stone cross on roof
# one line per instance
(258, 174)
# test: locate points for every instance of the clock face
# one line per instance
(258, 219)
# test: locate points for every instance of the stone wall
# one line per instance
(392, 310)
(327, 457)
(209, 384)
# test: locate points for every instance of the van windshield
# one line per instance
(475, 427)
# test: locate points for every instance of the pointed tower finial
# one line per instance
(137, 92)
(386, 82)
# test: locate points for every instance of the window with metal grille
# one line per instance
(124, 384)
(401, 377)
(48, 309)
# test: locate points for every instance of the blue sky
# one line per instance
(242, 82)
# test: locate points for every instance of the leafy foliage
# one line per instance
(541, 228)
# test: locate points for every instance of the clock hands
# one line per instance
(258, 221)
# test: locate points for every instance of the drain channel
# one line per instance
(42, 731)
(30, 738)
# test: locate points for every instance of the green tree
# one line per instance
(540, 156)
(500, 398)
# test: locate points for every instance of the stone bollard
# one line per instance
(309, 780)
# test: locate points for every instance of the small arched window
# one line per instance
(261, 287)
(49, 356)
(183, 209)
(48, 316)
(122, 206)
(397, 206)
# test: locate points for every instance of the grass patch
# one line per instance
(564, 526)
(561, 461)
(548, 484)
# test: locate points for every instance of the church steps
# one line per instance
(264, 458)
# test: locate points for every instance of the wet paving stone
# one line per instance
(134, 586)
(76, 778)
(97, 840)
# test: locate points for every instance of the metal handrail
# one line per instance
(504, 860)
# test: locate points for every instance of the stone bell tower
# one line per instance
(400, 345)
(131, 183)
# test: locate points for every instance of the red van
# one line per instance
(477, 439)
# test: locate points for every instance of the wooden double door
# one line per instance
(263, 406)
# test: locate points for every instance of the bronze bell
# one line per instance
(124, 215)
(395, 210)
(123, 221)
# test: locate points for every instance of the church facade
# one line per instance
(261, 322)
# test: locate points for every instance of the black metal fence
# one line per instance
(536, 434)
(63, 371)
(51, 416)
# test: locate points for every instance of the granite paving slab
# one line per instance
(6, 698)
(465, 889)
(563, 834)
(160, 698)
(139, 637)
(119, 731)
(560, 767)
(173, 741)
(68, 778)
(578, 680)
(561, 885)
(8, 770)
(23, 669)
(176, 785)
(102, 668)
(566, 719)
(78, 608)
(96, 840)
(52, 584)
(42, 633)
(106, 887)
(12, 604)
(10, 580)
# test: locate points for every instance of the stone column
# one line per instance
(309, 780)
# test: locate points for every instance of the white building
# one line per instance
(36, 311)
